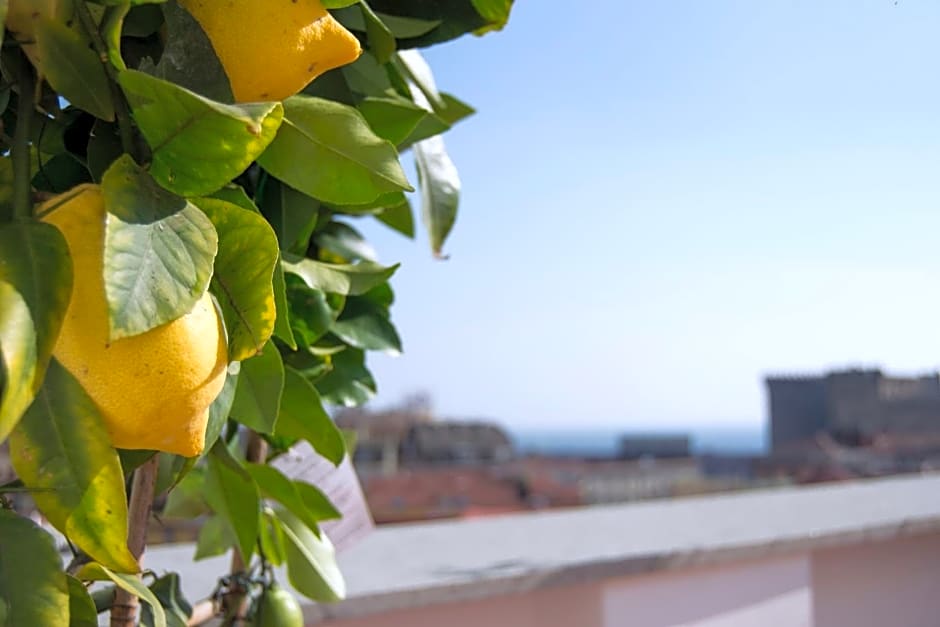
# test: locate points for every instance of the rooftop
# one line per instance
(414, 565)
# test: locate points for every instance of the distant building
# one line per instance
(451, 443)
(853, 407)
(409, 436)
(655, 446)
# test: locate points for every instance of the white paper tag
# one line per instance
(340, 484)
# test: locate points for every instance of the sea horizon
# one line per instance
(605, 441)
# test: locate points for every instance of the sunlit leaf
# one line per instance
(61, 449)
(198, 145)
(311, 561)
(35, 284)
(400, 218)
(327, 150)
(242, 279)
(158, 255)
(440, 189)
(341, 278)
(128, 583)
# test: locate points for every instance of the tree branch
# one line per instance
(124, 611)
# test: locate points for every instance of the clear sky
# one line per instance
(664, 201)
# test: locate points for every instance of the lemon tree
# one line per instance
(183, 289)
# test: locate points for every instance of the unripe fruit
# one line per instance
(278, 608)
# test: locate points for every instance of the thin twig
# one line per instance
(22, 181)
(235, 602)
(121, 110)
(124, 611)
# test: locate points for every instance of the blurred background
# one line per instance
(664, 206)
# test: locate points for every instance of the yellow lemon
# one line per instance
(153, 389)
(271, 49)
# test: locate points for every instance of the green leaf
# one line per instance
(274, 485)
(233, 495)
(186, 500)
(272, 538)
(282, 325)
(407, 27)
(170, 595)
(73, 69)
(35, 286)
(381, 40)
(33, 586)
(242, 280)
(455, 17)
(215, 538)
(343, 240)
(496, 12)
(158, 252)
(440, 190)
(454, 109)
(400, 218)
(128, 583)
(293, 214)
(349, 382)
(327, 150)
(316, 502)
(302, 416)
(61, 450)
(82, 612)
(418, 72)
(220, 409)
(365, 325)
(351, 279)
(258, 395)
(311, 561)
(392, 118)
(313, 311)
(198, 145)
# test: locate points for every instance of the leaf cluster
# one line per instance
(256, 203)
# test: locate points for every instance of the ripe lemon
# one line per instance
(271, 49)
(153, 389)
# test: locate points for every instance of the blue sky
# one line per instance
(664, 201)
